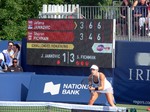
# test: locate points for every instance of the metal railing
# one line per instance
(59, 11)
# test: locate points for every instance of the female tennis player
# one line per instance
(99, 85)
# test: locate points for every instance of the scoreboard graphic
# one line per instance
(70, 42)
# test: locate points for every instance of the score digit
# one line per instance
(81, 25)
(81, 36)
(64, 57)
(72, 57)
(91, 25)
(98, 36)
(90, 36)
(99, 25)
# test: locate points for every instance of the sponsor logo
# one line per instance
(67, 89)
(102, 47)
(142, 73)
(139, 74)
(51, 88)
(73, 89)
(137, 102)
(142, 59)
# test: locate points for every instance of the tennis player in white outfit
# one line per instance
(99, 84)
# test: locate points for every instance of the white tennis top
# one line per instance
(107, 84)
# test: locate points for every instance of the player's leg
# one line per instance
(94, 96)
(110, 99)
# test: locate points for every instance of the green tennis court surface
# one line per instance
(139, 108)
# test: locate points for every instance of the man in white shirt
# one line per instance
(8, 53)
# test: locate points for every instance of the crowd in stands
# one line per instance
(10, 58)
(140, 17)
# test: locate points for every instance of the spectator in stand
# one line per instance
(135, 4)
(140, 11)
(145, 22)
(3, 66)
(15, 67)
(16, 49)
(8, 53)
(123, 20)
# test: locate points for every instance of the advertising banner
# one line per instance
(132, 73)
(61, 89)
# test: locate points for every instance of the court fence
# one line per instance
(128, 26)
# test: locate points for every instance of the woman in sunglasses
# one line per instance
(15, 67)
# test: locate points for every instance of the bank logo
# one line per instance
(51, 88)
(142, 59)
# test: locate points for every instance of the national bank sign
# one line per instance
(64, 89)
(59, 88)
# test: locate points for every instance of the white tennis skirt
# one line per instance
(108, 90)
